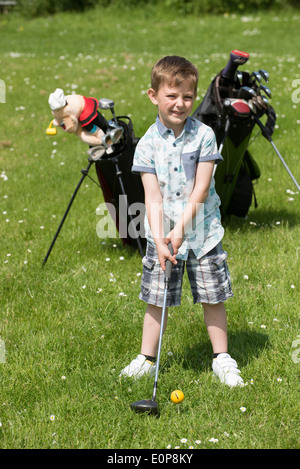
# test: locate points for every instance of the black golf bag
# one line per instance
(122, 188)
(235, 176)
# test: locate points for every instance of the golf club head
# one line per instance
(257, 76)
(237, 107)
(239, 76)
(115, 131)
(245, 92)
(96, 153)
(266, 90)
(146, 405)
(265, 100)
(105, 103)
(264, 74)
(112, 136)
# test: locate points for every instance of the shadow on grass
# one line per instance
(263, 218)
(243, 346)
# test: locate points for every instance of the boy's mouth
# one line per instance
(178, 113)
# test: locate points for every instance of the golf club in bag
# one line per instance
(233, 104)
(151, 405)
(113, 168)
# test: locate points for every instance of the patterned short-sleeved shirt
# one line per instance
(174, 161)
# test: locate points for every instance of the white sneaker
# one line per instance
(225, 368)
(139, 367)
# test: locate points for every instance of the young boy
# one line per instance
(176, 158)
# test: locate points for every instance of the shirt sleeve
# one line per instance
(143, 160)
(209, 148)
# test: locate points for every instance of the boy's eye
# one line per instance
(173, 96)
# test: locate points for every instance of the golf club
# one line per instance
(236, 58)
(245, 92)
(151, 405)
(266, 90)
(239, 76)
(105, 103)
(264, 74)
(257, 77)
(237, 107)
(265, 100)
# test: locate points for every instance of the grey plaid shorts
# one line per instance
(208, 276)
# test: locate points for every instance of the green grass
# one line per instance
(55, 322)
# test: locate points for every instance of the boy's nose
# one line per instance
(180, 102)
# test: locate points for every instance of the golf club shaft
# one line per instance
(167, 278)
(159, 343)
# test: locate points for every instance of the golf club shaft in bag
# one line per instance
(151, 405)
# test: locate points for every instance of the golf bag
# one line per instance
(117, 182)
(121, 188)
(235, 176)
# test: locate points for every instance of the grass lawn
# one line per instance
(68, 329)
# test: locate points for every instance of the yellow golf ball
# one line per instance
(177, 396)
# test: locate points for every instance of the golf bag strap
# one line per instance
(271, 120)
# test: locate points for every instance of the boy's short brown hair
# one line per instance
(173, 70)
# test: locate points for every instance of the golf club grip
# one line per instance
(169, 263)
(236, 58)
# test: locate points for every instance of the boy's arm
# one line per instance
(154, 210)
(198, 195)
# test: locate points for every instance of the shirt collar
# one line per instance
(162, 129)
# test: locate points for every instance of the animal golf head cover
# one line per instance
(78, 115)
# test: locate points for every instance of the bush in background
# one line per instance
(41, 7)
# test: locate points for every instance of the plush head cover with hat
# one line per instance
(57, 99)
(77, 114)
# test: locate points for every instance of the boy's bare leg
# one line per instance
(151, 330)
(216, 323)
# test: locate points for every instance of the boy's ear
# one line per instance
(152, 95)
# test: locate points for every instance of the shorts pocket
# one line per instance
(148, 266)
(214, 272)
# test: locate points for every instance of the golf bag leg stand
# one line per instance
(268, 137)
(84, 174)
(119, 174)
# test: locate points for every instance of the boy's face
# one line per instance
(174, 103)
